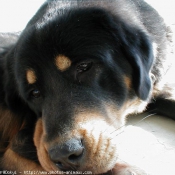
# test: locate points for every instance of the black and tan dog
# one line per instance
(75, 73)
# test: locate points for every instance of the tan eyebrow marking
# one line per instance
(127, 81)
(62, 62)
(31, 76)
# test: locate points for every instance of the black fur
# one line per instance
(115, 42)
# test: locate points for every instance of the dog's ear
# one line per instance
(138, 50)
(12, 96)
(136, 47)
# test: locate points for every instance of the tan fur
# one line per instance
(100, 142)
(127, 81)
(62, 62)
(41, 147)
(12, 161)
(133, 107)
(10, 124)
(31, 76)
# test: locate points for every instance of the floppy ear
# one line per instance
(136, 46)
(138, 51)
(12, 97)
(13, 113)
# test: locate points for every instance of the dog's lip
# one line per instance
(107, 173)
(66, 169)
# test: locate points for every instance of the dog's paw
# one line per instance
(125, 169)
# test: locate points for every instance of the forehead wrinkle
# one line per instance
(62, 62)
(31, 76)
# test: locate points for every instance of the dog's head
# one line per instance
(81, 73)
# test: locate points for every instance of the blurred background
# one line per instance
(14, 14)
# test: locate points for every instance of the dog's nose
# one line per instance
(68, 155)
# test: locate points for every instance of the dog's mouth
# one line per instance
(96, 156)
(89, 148)
(73, 169)
(77, 171)
(89, 145)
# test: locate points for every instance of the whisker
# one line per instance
(144, 118)
(132, 124)
(118, 129)
(115, 119)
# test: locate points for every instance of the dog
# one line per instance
(75, 73)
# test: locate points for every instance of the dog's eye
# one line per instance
(35, 93)
(84, 67)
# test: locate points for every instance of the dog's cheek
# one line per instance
(41, 147)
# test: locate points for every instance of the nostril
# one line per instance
(72, 157)
(68, 154)
(77, 155)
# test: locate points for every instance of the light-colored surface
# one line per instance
(148, 143)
